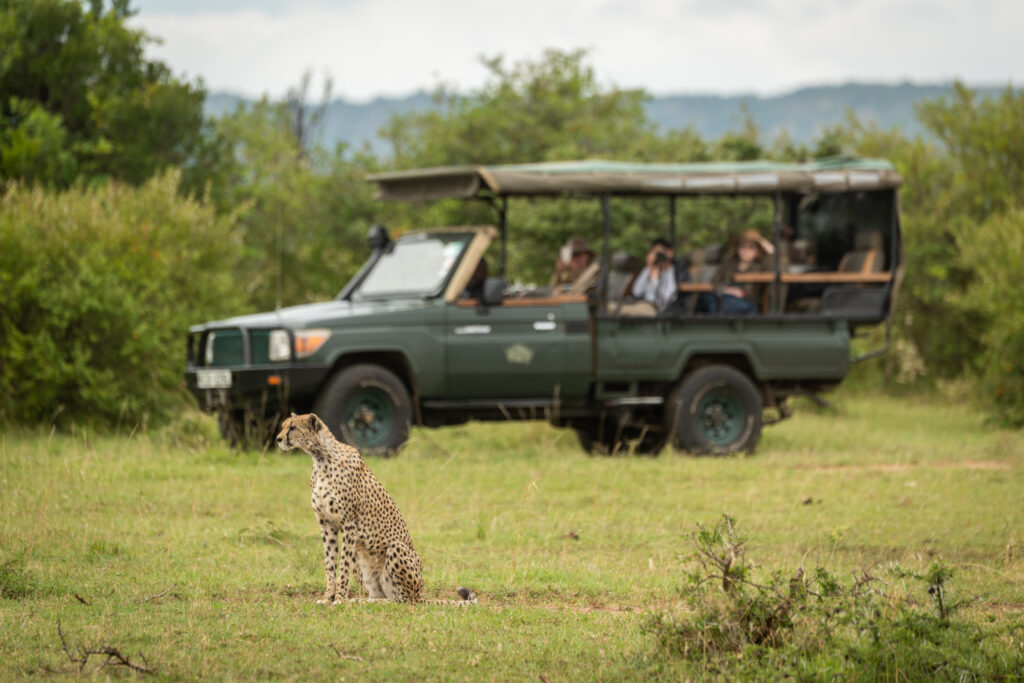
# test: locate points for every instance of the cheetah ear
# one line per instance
(293, 414)
(314, 422)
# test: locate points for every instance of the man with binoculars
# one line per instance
(657, 281)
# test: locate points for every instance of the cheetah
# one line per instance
(350, 501)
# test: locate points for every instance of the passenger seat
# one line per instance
(867, 257)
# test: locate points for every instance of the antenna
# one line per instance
(279, 254)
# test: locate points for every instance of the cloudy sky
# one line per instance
(394, 47)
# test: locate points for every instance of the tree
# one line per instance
(102, 341)
(549, 110)
(78, 99)
(303, 212)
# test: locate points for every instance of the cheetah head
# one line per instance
(300, 431)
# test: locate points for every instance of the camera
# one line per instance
(661, 257)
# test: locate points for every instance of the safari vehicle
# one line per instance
(401, 345)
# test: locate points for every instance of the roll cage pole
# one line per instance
(502, 210)
(605, 250)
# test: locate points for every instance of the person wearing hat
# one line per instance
(573, 258)
(749, 256)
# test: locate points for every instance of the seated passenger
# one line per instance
(750, 256)
(573, 258)
(475, 287)
(657, 283)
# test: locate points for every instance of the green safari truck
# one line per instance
(405, 343)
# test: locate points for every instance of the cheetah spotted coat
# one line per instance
(349, 501)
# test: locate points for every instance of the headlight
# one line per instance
(279, 346)
(208, 352)
(308, 342)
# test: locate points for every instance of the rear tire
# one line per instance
(715, 410)
(367, 406)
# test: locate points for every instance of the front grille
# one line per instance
(260, 341)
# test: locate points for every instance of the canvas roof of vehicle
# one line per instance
(597, 177)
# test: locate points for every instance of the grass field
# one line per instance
(205, 563)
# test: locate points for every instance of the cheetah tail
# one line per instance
(467, 595)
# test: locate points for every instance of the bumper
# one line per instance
(267, 389)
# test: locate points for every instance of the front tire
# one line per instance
(715, 410)
(367, 406)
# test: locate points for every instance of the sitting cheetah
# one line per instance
(348, 499)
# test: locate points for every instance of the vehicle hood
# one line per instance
(323, 314)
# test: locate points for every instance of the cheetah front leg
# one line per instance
(348, 564)
(330, 538)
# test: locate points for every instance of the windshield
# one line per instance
(417, 265)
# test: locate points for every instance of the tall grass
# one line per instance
(207, 562)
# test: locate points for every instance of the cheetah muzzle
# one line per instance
(351, 503)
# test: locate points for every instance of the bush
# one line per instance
(993, 251)
(814, 625)
(99, 287)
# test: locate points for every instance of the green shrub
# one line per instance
(993, 251)
(815, 626)
(99, 286)
(14, 583)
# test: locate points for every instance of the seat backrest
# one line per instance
(704, 262)
(867, 256)
(620, 275)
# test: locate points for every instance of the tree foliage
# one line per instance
(78, 102)
(78, 98)
(963, 235)
(100, 286)
(302, 212)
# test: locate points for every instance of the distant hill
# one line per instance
(803, 113)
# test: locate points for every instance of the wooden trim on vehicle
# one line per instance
(528, 301)
(825, 277)
(696, 287)
(485, 234)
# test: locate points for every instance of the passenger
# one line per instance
(657, 283)
(475, 287)
(573, 258)
(750, 256)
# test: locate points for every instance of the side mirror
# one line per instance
(494, 291)
(378, 237)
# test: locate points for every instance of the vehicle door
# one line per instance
(525, 348)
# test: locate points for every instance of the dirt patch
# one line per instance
(906, 466)
(573, 608)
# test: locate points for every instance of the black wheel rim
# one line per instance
(720, 417)
(370, 417)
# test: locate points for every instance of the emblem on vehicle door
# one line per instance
(518, 354)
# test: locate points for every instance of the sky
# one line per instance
(391, 48)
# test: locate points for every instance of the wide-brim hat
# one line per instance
(754, 236)
(578, 245)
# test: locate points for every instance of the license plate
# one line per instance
(213, 379)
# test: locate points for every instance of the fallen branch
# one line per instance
(112, 654)
(342, 655)
(160, 594)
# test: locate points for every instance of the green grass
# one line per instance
(208, 563)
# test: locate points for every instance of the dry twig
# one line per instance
(112, 654)
(342, 655)
(160, 594)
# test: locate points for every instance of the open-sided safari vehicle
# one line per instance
(404, 342)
